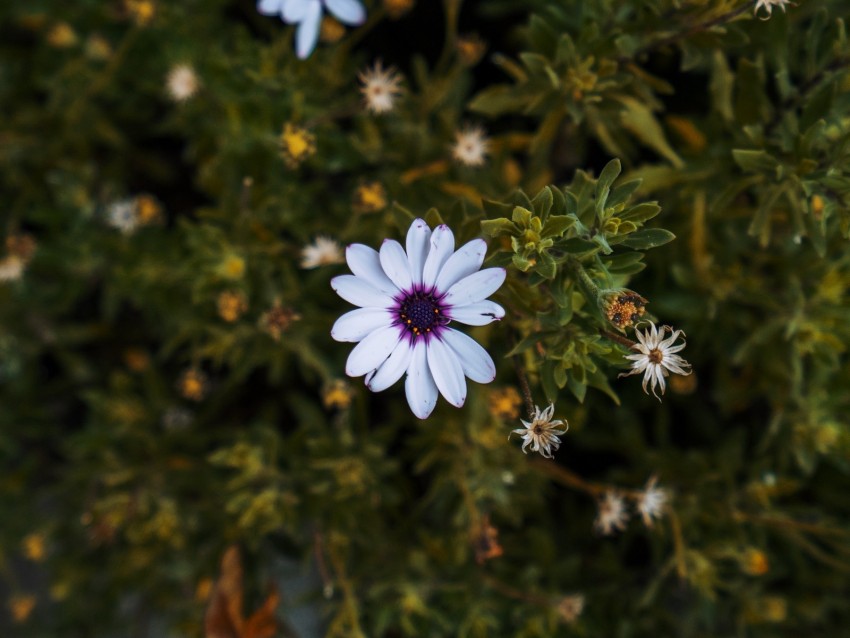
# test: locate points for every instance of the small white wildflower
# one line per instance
(11, 268)
(612, 515)
(182, 82)
(471, 146)
(322, 252)
(657, 356)
(542, 432)
(652, 501)
(768, 5)
(122, 215)
(380, 88)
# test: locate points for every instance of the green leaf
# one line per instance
(648, 238)
(641, 212)
(496, 209)
(638, 119)
(622, 193)
(603, 184)
(546, 266)
(433, 218)
(755, 161)
(500, 99)
(556, 225)
(542, 202)
(496, 227)
(403, 217)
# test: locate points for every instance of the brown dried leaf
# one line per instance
(223, 618)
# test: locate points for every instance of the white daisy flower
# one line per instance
(123, 216)
(612, 516)
(182, 82)
(407, 299)
(542, 432)
(380, 88)
(322, 252)
(11, 268)
(652, 501)
(471, 146)
(657, 356)
(768, 5)
(307, 14)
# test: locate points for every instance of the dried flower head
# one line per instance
(322, 252)
(505, 403)
(62, 36)
(657, 356)
(485, 541)
(148, 209)
(768, 5)
(397, 8)
(182, 82)
(612, 515)
(296, 144)
(98, 47)
(370, 197)
(337, 395)
(570, 607)
(380, 88)
(331, 30)
(754, 562)
(141, 12)
(231, 304)
(470, 49)
(651, 501)
(542, 433)
(21, 606)
(623, 308)
(193, 384)
(136, 359)
(34, 547)
(471, 146)
(277, 319)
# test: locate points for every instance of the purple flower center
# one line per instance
(420, 313)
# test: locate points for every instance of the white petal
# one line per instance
(293, 11)
(419, 385)
(465, 261)
(347, 11)
(308, 30)
(372, 351)
(365, 263)
(477, 314)
(357, 324)
(392, 369)
(417, 248)
(269, 7)
(447, 373)
(360, 292)
(475, 287)
(474, 360)
(442, 245)
(394, 263)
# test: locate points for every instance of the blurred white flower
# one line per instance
(307, 14)
(542, 432)
(322, 252)
(652, 501)
(181, 82)
(768, 5)
(11, 268)
(380, 88)
(657, 356)
(122, 215)
(471, 146)
(612, 515)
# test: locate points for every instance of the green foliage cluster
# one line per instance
(169, 388)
